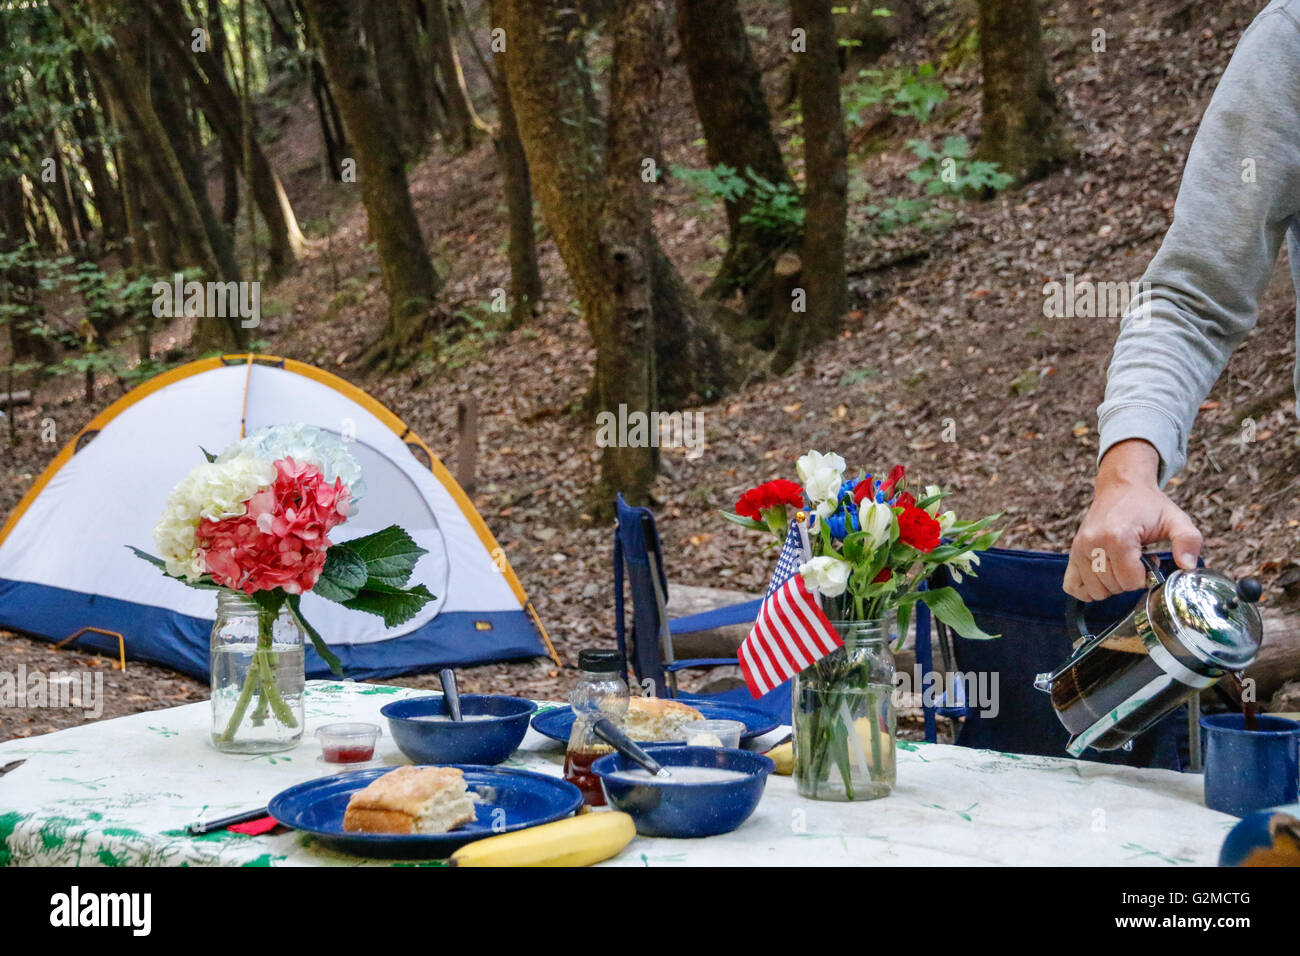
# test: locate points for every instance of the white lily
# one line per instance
(822, 476)
(930, 492)
(877, 520)
(946, 521)
(964, 563)
(825, 574)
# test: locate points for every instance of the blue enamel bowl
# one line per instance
(666, 808)
(492, 738)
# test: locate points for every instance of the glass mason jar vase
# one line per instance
(257, 667)
(845, 718)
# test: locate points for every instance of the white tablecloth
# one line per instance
(120, 792)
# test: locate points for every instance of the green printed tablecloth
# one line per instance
(120, 792)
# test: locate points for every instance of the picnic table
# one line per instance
(120, 792)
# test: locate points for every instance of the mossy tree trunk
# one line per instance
(459, 118)
(18, 282)
(1021, 128)
(727, 88)
(410, 279)
(823, 281)
(652, 350)
(106, 193)
(393, 31)
(205, 73)
(525, 276)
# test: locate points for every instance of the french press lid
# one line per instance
(1212, 616)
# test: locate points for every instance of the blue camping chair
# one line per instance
(1018, 595)
(648, 643)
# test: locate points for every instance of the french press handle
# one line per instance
(1074, 607)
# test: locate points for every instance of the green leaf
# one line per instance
(744, 522)
(394, 605)
(318, 642)
(208, 455)
(157, 562)
(904, 619)
(205, 583)
(390, 556)
(947, 606)
(344, 574)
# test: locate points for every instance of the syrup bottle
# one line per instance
(600, 692)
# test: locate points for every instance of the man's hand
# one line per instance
(1128, 510)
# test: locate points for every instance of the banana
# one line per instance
(783, 757)
(575, 841)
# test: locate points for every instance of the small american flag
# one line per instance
(792, 632)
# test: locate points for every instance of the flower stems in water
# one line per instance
(260, 678)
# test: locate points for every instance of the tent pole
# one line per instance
(243, 412)
(121, 642)
(546, 638)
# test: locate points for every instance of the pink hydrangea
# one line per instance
(280, 542)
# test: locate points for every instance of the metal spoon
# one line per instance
(448, 678)
(612, 735)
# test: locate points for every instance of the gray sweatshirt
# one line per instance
(1239, 197)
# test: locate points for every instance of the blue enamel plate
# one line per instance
(509, 800)
(557, 722)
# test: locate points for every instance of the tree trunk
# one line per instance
(327, 111)
(459, 130)
(393, 29)
(18, 282)
(127, 85)
(625, 323)
(215, 96)
(727, 88)
(824, 280)
(1021, 127)
(284, 33)
(608, 265)
(171, 111)
(525, 277)
(107, 196)
(229, 163)
(409, 277)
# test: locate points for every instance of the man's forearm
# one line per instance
(1132, 462)
(1198, 300)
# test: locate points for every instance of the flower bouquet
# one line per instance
(253, 523)
(869, 545)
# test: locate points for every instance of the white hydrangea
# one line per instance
(212, 490)
(304, 443)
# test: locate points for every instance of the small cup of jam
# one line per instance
(348, 743)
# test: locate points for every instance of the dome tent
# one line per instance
(64, 563)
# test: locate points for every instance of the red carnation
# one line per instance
(917, 529)
(773, 494)
(862, 489)
(895, 476)
(884, 575)
(905, 500)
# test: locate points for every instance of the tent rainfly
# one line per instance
(65, 567)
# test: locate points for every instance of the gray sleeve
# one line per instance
(1198, 297)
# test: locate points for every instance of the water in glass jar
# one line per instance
(258, 726)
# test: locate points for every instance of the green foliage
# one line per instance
(909, 93)
(477, 328)
(773, 207)
(944, 172)
(949, 169)
(896, 212)
(370, 574)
